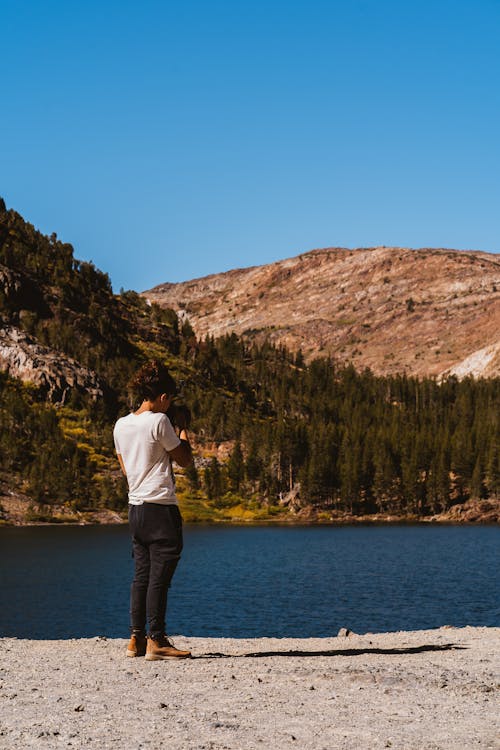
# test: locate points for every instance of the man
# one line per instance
(146, 443)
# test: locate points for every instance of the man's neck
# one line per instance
(156, 406)
(146, 406)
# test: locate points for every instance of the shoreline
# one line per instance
(264, 522)
(256, 523)
(18, 511)
(432, 689)
(283, 522)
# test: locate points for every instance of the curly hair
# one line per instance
(151, 381)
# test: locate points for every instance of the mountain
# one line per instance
(67, 348)
(427, 312)
(274, 436)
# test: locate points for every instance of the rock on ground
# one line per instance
(425, 690)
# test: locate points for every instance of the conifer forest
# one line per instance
(319, 432)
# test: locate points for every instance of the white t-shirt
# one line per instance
(143, 441)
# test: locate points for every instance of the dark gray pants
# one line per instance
(157, 546)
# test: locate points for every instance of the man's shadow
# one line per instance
(336, 652)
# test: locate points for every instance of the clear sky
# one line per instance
(170, 140)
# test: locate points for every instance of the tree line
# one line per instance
(319, 432)
(343, 439)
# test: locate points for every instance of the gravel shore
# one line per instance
(424, 690)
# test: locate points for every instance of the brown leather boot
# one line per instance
(136, 645)
(163, 648)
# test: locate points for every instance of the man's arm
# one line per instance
(183, 454)
(122, 465)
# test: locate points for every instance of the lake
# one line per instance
(70, 582)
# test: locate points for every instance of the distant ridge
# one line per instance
(275, 439)
(426, 312)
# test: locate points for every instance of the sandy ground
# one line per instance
(425, 690)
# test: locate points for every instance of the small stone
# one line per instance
(79, 708)
(343, 633)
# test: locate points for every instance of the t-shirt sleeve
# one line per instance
(165, 434)
(115, 438)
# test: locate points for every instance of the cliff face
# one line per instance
(423, 312)
(54, 374)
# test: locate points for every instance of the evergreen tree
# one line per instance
(214, 483)
(236, 468)
(191, 474)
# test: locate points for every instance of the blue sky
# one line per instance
(167, 140)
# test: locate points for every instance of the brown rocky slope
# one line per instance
(52, 372)
(425, 312)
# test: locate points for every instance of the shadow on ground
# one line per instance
(337, 652)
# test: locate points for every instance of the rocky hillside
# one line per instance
(50, 371)
(424, 312)
(275, 437)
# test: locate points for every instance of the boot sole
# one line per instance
(155, 657)
(134, 653)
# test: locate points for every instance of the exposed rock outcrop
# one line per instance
(21, 356)
(472, 511)
(423, 312)
(483, 363)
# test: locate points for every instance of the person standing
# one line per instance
(146, 443)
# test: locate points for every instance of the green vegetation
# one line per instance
(352, 441)
(319, 434)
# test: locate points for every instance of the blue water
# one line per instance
(68, 582)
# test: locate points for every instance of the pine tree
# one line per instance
(236, 468)
(493, 472)
(191, 474)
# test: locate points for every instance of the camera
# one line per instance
(179, 415)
